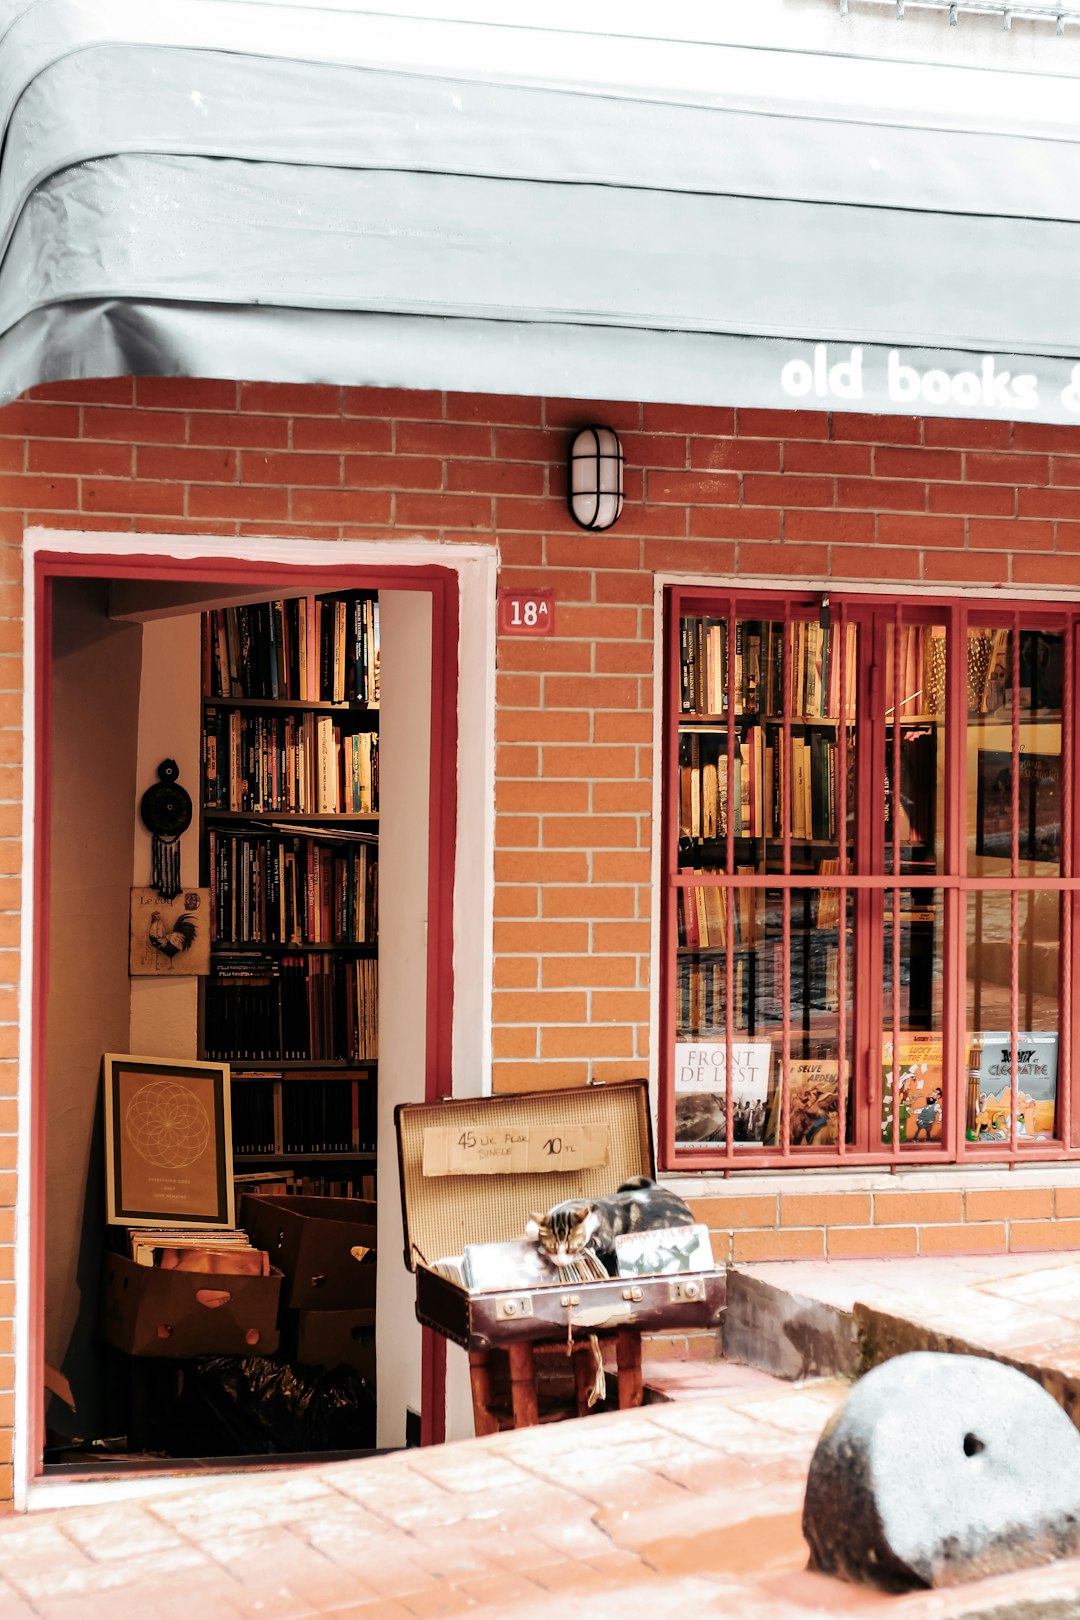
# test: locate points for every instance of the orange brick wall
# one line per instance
(803, 1224)
(716, 491)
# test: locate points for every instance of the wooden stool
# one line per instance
(525, 1411)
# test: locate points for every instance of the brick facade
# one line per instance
(710, 491)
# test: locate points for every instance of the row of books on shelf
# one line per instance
(284, 889)
(803, 679)
(302, 648)
(757, 983)
(292, 1184)
(304, 763)
(750, 786)
(303, 1114)
(800, 673)
(702, 914)
(307, 1006)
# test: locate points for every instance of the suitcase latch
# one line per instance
(512, 1307)
(634, 1295)
(687, 1289)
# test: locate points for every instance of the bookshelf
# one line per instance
(290, 808)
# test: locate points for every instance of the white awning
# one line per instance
(242, 188)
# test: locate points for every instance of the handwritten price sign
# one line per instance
(505, 1150)
(526, 613)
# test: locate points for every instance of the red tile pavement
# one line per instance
(685, 1507)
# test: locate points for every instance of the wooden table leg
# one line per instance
(523, 1386)
(584, 1374)
(484, 1419)
(628, 1360)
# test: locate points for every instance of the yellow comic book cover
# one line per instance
(913, 1084)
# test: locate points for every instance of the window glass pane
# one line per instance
(816, 1003)
(1004, 819)
(758, 999)
(915, 755)
(708, 918)
(913, 960)
(989, 960)
(990, 1046)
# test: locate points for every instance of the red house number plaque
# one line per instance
(526, 613)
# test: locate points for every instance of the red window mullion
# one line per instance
(869, 844)
(728, 895)
(790, 673)
(669, 914)
(1069, 998)
(954, 1042)
(1014, 899)
(894, 794)
(840, 798)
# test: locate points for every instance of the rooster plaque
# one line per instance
(170, 937)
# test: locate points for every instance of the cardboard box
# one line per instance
(334, 1339)
(324, 1246)
(176, 1314)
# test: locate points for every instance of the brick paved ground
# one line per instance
(688, 1507)
(681, 1509)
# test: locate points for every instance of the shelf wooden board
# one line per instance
(224, 949)
(321, 1066)
(750, 717)
(301, 705)
(315, 818)
(283, 1161)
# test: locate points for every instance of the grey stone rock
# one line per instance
(940, 1469)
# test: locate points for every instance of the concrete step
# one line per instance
(693, 1380)
(799, 1319)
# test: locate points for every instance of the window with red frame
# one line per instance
(869, 903)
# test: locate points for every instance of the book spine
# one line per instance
(311, 647)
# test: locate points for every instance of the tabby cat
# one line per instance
(576, 1225)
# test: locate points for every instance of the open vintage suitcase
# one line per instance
(593, 1140)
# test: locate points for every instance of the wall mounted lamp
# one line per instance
(595, 478)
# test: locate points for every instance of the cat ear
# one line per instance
(532, 1227)
(583, 1211)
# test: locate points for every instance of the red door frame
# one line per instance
(443, 586)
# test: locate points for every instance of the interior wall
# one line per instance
(404, 753)
(96, 665)
(164, 1007)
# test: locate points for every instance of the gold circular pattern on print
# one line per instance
(167, 1125)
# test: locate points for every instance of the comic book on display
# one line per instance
(701, 1069)
(990, 1099)
(814, 1103)
(915, 1082)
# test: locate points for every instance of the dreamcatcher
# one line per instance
(166, 813)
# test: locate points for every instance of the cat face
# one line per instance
(564, 1231)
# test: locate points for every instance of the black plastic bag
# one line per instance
(244, 1405)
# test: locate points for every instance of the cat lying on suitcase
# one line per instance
(579, 1224)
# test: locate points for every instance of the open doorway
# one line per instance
(120, 672)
